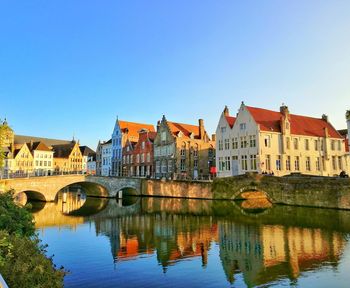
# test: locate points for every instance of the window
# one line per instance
(235, 143)
(170, 166)
(340, 164)
(142, 158)
(339, 145)
(163, 136)
(244, 142)
(164, 166)
(242, 126)
(253, 165)
(221, 164)
(227, 144)
(228, 163)
(220, 145)
(288, 163)
(183, 165)
(244, 162)
(157, 166)
(223, 129)
(267, 141)
(143, 145)
(306, 144)
(268, 162)
(195, 163)
(296, 163)
(296, 143)
(316, 145)
(322, 144)
(138, 158)
(333, 145)
(183, 150)
(252, 141)
(278, 163)
(288, 143)
(318, 168)
(334, 163)
(307, 164)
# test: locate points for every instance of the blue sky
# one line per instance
(70, 67)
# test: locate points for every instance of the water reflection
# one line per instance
(278, 245)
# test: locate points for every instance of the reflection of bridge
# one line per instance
(46, 188)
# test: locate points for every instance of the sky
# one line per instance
(72, 67)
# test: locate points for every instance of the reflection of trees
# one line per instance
(265, 253)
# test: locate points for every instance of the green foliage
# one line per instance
(22, 257)
(23, 263)
(14, 219)
(2, 128)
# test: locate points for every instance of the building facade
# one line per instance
(138, 156)
(88, 156)
(67, 157)
(43, 162)
(123, 131)
(183, 151)
(106, 158)
(278, 143)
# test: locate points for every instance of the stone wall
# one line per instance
(299, 190)
(181, 189)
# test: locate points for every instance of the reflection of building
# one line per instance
(265, 253)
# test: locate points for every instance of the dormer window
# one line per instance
(242, 126)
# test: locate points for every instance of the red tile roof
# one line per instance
(300, 125)
(134, 128)
(186, 129)
(230, 120)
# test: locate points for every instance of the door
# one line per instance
(234, 167)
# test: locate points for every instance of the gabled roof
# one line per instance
(63, 150)
(38, 146)
(86, 151)
(230, 120)
(21, 139)
(107, 142)
(133, 128)
(299, 125)
(185, 129)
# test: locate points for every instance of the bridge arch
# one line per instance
(237, 195)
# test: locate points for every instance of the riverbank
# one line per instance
(23, 262)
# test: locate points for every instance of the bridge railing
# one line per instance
(34, 174)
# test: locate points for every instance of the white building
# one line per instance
(43, 163)
(106, 158)
(278, 143)
(87, 154)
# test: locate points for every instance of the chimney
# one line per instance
(325, 118)
(201, 129)
(31, 144)
(226, 111)
(284, 110)
(213, 137)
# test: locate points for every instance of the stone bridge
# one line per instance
(46, 188)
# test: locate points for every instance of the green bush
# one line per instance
(22, 257)
(14, 219)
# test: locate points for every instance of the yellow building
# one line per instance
(279, 143)
(183, 150)
(67, 157)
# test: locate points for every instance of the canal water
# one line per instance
(159, 242)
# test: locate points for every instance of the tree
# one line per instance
(2, 129)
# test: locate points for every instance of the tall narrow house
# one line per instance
(183, 150)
